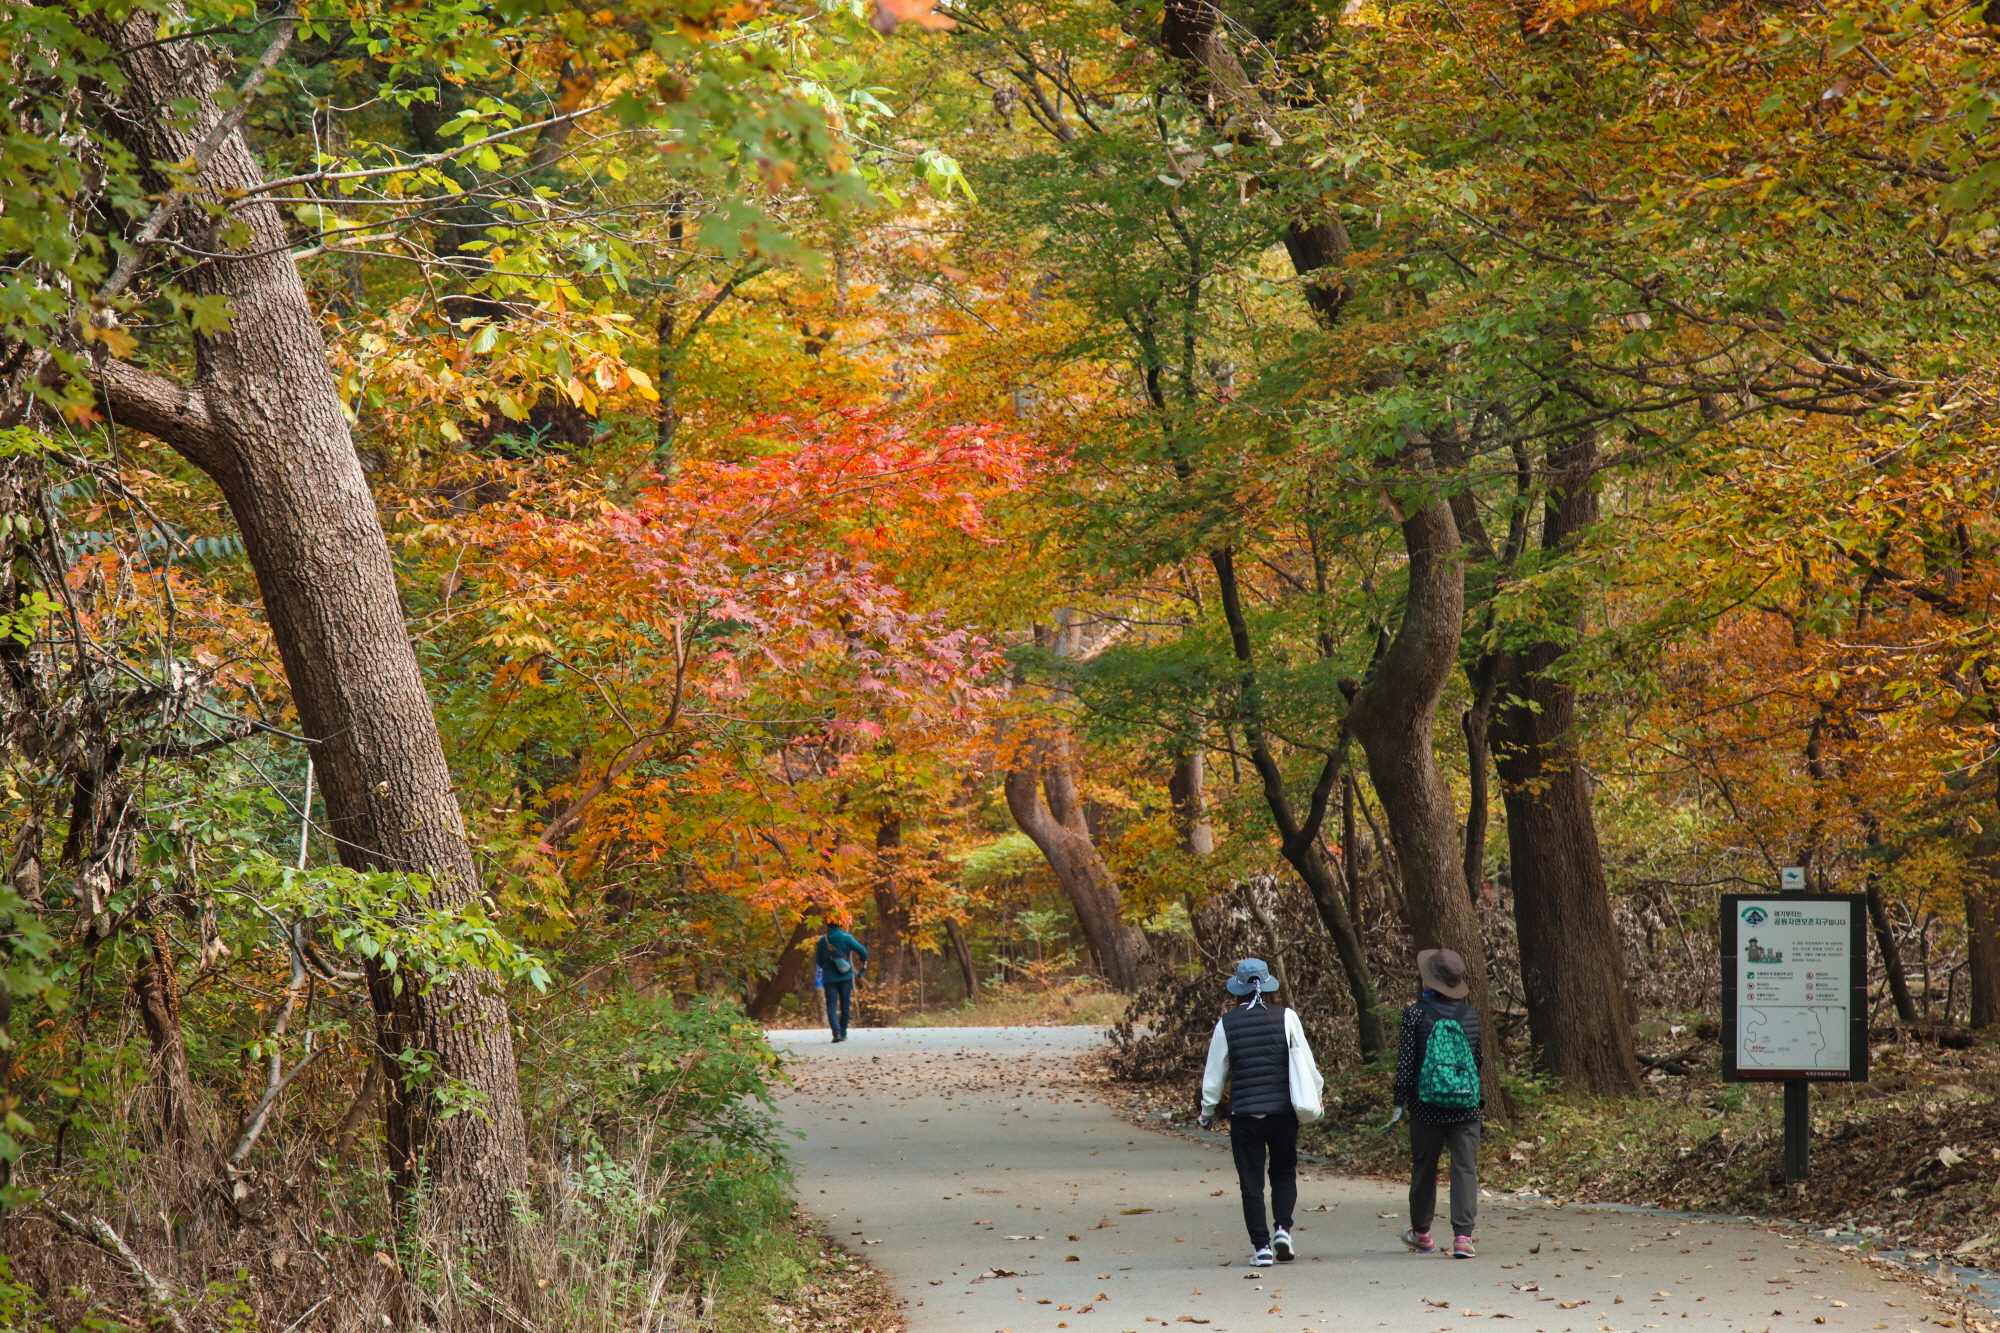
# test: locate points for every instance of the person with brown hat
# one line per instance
(1437, 1086)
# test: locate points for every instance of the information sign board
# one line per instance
(1795, 987)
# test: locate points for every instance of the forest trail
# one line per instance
(944, 1154)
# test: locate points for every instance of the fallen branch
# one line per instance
(100, 1234)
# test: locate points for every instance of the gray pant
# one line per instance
(1427, 1144)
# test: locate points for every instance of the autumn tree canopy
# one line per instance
(517, 516)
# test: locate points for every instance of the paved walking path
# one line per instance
(1000, 1196)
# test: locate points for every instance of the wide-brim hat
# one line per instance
(1252, 976)
(1443, 971)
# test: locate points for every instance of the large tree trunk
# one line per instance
(894, 945)
(1393, 714)
(791, 967)
(1058, 828)
(1186, 791)
(1982, 948)
(264, 420)
(1572, 963)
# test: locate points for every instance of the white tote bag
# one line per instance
(1307, 1085)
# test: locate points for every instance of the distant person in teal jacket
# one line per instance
(835, 954)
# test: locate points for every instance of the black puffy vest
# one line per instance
(1260, 1070)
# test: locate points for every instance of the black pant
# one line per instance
(1251, 1139)
(1427, 1143)
(839, 997)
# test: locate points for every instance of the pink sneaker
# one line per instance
(1420, 1241)
(1461, 1247)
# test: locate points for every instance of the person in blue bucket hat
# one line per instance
(1259, 1051)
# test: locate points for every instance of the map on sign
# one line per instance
(1793, 979)
(1792, 1037)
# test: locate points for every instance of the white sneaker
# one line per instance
(1281, 1245)
(1263, 1258)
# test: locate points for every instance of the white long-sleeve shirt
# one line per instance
(1216, 1076)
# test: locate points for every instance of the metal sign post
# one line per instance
(1795, 997)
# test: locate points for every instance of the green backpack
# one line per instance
(1449, 1078)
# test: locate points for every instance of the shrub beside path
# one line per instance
(980, 1171)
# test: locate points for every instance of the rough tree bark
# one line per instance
(1572, 964)
(1393, 713)
(1057, 827)
(264, 420)
(160, 1014)
(1982, 947)
(1186, 790)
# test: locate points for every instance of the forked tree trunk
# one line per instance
(963, 952)
(1572, 962)
(1394, 713)
(1299, 833)
(1892, 959)
(1058, 828)
(264, 419)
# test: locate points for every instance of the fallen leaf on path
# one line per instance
(1841, 1304)
(1189, 1319)
(1132, 1212)
(1442, 1305)
(1570, 1305)
(1527, 1286)
(1536, 1248)
(1103, 1223)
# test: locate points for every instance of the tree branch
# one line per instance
(100, 1234)
(158, 406)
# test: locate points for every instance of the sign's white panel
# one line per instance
(1794, 983)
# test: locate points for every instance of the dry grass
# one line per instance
(1070, 1003)
(840, 1292)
